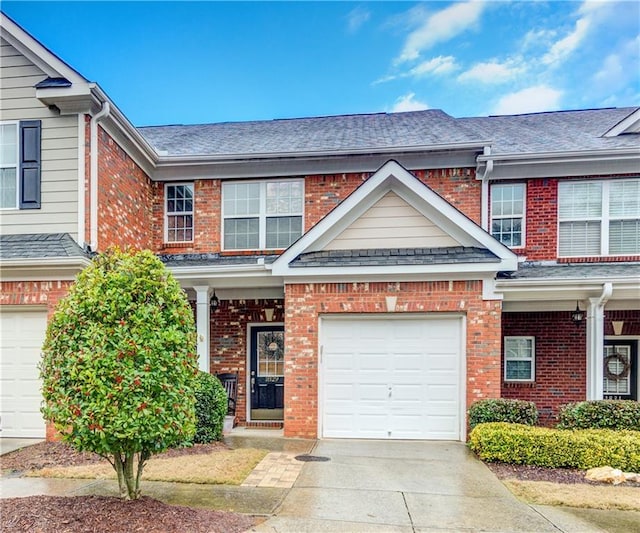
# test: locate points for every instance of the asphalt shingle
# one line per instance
(39, 246)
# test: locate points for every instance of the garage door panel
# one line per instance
(21, 338)
(406, 376)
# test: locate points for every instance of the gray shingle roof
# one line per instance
(395, 256)
(39, 246)
(380, 130)
(533, 270)
(532, 133)
(213, 260)
(559, 131)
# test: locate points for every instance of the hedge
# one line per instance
(503, 410)
(601, 414)
(556, 448)
(211, 408)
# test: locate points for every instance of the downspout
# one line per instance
(484, 191)
(93, 173)
(595, 343)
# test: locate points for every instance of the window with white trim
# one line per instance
(179, 212)
(9, 165)
(262, 215)
(599, 218)
(519, 359)
(507, 213)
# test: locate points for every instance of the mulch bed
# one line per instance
(49, 454)
(93, 514)
(541, 473)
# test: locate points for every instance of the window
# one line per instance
(519, 358)
(20, 164)
(507, 213)
(9, 165)
(261, 215)
(179, 213)
(599, 218)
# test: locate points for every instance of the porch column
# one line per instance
(202, 326)
(595, 343)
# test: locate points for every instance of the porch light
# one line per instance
(214, 303)
(577, 316)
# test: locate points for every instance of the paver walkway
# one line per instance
(277, 469)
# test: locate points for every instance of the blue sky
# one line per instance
(183, 62)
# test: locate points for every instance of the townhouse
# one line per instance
(365, 276)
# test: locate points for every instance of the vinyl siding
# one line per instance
(59, 211)
(391, 223)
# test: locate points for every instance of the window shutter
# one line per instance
(30, 164)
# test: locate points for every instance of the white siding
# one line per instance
(391, 223)
(59, 211)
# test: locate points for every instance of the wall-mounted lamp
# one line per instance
(577, 316)
(214, 303)
(617, 327)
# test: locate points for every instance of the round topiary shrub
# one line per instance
(601, 414)
(503, 410)
(119, 361)
(211, 408)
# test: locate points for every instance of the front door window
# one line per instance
(267, 373)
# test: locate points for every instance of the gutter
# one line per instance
(203, 159)
(484, 191)
(558, 157)
(93, 173)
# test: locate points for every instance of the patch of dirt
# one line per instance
(51, 454)
(92, 514)
(541, 473)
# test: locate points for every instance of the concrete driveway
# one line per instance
(406, 486)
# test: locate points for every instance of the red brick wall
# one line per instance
(541, 230)
(46, 293)
(229, 338)
(305, 302)
(630, 318)
(560, 361)
(124, 198)
(322, 194)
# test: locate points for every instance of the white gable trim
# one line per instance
(38, 54)
(393, 177)
(631, 124)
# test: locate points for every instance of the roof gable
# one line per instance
(630, 124)
(452, 230)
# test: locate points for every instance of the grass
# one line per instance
(225, 467)
(576, 495)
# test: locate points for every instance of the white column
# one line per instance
(202, 326)
(595, 348)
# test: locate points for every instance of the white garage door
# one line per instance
(22, 337)
(391, 378)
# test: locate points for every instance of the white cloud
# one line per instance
(619, 69)
(491, 72)
(437, 65)
(356, 18)
(439, 27)
(560, 50)
(408, 103)
(529, 100)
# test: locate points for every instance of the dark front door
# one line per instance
(620, 370)
(267, 373)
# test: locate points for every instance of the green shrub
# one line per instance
(601, 414)
(119, 361)
(211, 408)
(556, 448)
(502, 410)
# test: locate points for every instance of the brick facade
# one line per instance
(41, 293)
(124, 198)
(560, 352)
(305, 303)
(229, 340)
(541, 224)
